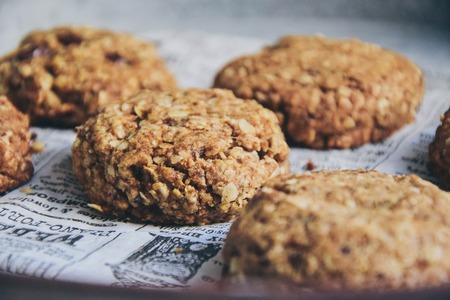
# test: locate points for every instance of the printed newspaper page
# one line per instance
(47, 230)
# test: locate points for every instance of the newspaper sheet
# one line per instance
(47, 230)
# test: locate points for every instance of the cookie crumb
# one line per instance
(178, 250)
(95, 206)
(37, 147)
(26, 190)
(309, 166)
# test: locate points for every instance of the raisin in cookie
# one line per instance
(63, 75)
(329, 93)
(355, 230)
(439, 152)
(188, 157)
(16, 167)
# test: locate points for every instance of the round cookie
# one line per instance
(439, 152)
(63, 75)
(343, 230)
(16, 167)
(329, 93)
(188, 157)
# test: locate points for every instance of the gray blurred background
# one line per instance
(419, 29)
(213, 15)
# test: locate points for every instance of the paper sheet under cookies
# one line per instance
(47, 230)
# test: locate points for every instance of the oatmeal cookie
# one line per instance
(16, 167)
(439, 152)
(329, 93)
(344, 230)
(187, 157)
(63, 75)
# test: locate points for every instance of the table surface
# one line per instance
(418, 29)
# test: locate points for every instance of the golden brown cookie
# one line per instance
(16, 167)
(352, 230)
(63, 75)
(329, 93)
(439, 152)
(189, 157)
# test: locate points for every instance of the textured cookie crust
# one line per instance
(329, 93)
(16, 167)
(355, 230)
(63, 75)
(189, 157)
(439, 152)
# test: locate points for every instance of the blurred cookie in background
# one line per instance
(63, 75)
(329, 93)
(16, 167)
(439, 152)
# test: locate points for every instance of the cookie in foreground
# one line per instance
(329, 93)
(63, 75)
(343, 230)
(439, 152)
(188, 157)
(16, 167)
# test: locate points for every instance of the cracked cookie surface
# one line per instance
(357, 230)
(16, 167)
(329, 93)
(188, 157)
(63, 75)
(439, 152)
